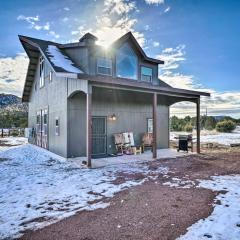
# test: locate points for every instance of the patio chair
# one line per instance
(147, 141)
(129, 141)
(121, 143)
(125, 144)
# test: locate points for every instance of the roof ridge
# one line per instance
(38, 39)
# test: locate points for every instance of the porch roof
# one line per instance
(129, 84)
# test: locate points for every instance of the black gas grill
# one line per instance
(184, 142)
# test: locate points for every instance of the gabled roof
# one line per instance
(129, 37)
(57, 58)
(126, 37)
(88, 36)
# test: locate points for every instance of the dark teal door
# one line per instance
(99, 136)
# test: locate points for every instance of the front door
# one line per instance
(99, 136)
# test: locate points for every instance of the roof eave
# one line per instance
(130, 83)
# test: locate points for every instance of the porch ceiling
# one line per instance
(123, 95)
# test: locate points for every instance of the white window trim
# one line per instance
(41, 72)
(149, 121)
(50, 76)
(105, 67)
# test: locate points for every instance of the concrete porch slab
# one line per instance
(146, 156)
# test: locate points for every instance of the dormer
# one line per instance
(125, 59)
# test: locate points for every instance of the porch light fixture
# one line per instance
(113, 117)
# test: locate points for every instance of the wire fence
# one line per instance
(12, 132)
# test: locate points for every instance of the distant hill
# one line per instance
(13, 113)
(219, 118)
(10, 102)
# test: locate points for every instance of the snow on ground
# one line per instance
(179, 183)
(224, 222)
(8, 142)
(222, 138)
(59, 60)
(38, 187)
(214, 137)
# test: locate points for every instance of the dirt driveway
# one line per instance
(152, 210)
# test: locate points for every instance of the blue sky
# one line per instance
(199, 40)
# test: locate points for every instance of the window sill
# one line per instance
(101, 74)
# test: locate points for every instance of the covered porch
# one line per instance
(155, 97)
(145, 157)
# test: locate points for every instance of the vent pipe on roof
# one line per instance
(88, 38)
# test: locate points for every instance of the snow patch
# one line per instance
(179, 183)
(38, 188)
(213, 137)
(9, 142)
(222, 138)
(59, 60)
(224, 222)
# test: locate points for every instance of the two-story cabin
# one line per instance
(80, 94)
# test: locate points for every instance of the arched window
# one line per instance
(126, 62)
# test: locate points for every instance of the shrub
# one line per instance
(210, 123)
(225, 126)
(188, 127)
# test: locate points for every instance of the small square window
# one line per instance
(146, 74)
(104, 66)
(57, 127)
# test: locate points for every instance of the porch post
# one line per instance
(198, 123)
(89, 127)
(154, 148)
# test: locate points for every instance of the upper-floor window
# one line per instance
(104, 66)
(41, 71)
(50, 76)
(126, 63)
(146, 74)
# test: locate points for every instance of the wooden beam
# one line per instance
(89, 128)
(198, 123)
(154, 126)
